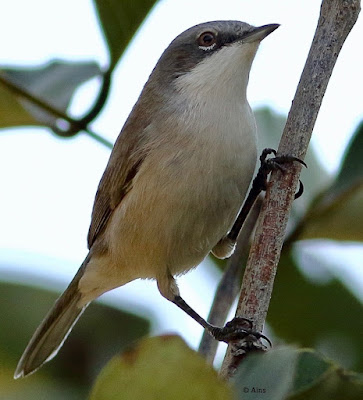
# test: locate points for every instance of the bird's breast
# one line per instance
(186, 194)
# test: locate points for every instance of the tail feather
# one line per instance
(53, 331)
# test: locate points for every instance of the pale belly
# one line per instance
(177, 211)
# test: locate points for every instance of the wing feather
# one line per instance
(126, 158)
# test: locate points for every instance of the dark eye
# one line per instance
(207, 39)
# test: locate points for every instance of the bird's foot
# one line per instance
(236, 330)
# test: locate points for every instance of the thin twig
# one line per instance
(229, 285)
(337, 17)
(79, 125)
(101, 98)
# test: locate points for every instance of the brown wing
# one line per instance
(125, 160)
(108, 196)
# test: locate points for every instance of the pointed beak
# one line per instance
(259, 33)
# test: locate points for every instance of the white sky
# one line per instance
(48, 184)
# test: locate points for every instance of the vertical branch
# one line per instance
(337, 17)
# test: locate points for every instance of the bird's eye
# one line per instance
(207, 40)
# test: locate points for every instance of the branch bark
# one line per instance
(337, 17)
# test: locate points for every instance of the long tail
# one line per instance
(53, 331)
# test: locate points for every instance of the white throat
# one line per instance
(211, 98)
(224, 74)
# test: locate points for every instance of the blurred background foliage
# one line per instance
(107, 329)
(321, 313)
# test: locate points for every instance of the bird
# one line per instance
(175, 181)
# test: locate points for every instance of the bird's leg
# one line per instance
(237, 328)
(259, 184)
(240, 328)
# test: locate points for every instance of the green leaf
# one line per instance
(120, 19)
(54, 83)
(287, 373)
(317, 378)
(162, 367)
(339, 219)
(351, 170)
(323, 315)
(335, 385)
(268, 375)
(12, 113)
(337, 213)
(309, 369)
(99, 334)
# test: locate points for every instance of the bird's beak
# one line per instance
(259, 33)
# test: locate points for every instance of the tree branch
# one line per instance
(337, 17)
(78, 125)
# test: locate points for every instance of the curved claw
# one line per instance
(286, 159)
(280, 158)
(299, 160)
(300, 191)
(261, 336)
